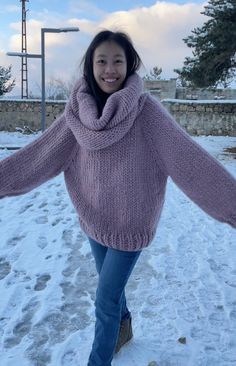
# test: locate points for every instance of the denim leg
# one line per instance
(115, 272)
(99, 252)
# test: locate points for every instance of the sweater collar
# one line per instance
(119, 113)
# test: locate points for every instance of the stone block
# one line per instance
(200, 108)
(183, 107)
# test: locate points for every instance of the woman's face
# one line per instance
(109, 66)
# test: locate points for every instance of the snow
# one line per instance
(20, 100)
(183, 285)
(200, 101)
(16, 139)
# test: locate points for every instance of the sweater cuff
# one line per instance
(232, 221)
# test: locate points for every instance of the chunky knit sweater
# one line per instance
(116, 166)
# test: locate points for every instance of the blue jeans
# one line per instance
(114, 268)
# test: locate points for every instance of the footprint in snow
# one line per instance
(68, 358)
(42, 242)
(42, 282)
(15, 240)
(5, 268)
(41, 220)
(25, 208)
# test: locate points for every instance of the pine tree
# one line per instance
(154, 74)
(214, 44)
(6, 84)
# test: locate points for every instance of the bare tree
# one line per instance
(57, 89)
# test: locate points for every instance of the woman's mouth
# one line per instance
(110, 80)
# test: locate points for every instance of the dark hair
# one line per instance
(132, 57)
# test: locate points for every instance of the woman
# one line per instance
(117, 146)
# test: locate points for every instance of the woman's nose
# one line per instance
(110, 67)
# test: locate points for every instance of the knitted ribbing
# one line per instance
(116, 166)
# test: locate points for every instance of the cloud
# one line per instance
(83, 7)
(4, 59)
(34, 36)
(86, 26)
(10, 9)
(157, 32)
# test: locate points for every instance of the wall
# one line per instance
(197, 117)
(204, 117)
(161, 89)
(18, 113)
(205, 94)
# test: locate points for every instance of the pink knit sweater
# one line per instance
(116, 166)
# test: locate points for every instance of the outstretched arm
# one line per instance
(37, 162)
(195, 171)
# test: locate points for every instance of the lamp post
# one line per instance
(43, 31)
(42, 56)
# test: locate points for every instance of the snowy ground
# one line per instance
(184, 284)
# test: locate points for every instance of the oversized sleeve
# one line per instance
(200, 176)
(38, 161)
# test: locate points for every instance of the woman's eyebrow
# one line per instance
(117, 55)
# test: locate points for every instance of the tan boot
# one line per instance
(125, 334)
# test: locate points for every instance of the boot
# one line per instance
(125, 334)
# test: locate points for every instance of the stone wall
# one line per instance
(20, 113)
(204, 117)
(205, 94)
(161, 89)
(197, 117)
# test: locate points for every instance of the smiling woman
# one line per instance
(109, 61)
(109, 66)
(117, 146)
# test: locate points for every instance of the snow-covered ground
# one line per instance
(184, 284)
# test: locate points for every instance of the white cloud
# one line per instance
(3, 58)
(85, 25)
(83, 7)
(34, 37)
(156, 31)
(10, 9)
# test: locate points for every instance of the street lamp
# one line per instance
(21, 54)
(43, 31)
(42, 56)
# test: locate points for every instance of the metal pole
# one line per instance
(42, 56)
(43, 104)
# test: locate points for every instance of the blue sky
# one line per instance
(156, 28)
(10, 10)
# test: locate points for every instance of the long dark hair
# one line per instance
(132, 57)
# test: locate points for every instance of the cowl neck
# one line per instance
(118, 116)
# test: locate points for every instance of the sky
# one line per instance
(157, 29)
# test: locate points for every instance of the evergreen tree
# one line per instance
(6, 84)
(214, 44)
(154, 74)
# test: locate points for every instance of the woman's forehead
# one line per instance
(109, 47)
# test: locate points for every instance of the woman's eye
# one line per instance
(119, 61)
(100, 61)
